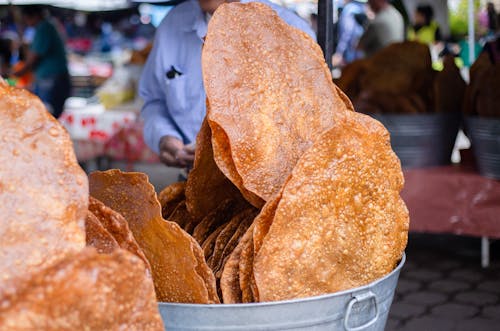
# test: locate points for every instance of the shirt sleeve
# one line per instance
(157, 120)
(41, 41)
(347, 27)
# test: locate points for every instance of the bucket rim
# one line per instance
(482, 118)
(290, 301)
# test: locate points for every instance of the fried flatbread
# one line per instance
(84, 291)
(222, 214)
(340, 222)
(270, 95)
(97, 236)
(170, 197)
(209, 243)
(43, 190)
(180, 215)
(245, 269)
(116, 225)
(230, 281)
(178, 272)
(206, 186)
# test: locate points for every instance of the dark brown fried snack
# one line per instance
(268, 101)
(449, 88)
(222, 214)
(179, 274)
(340, 222)
(170, 197)
(84, 291)
(180, 215)
(43, 190)
(245, 219)
(246, 272)
(209, 243)
(116, 225)
(230, 281)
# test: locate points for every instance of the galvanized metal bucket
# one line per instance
(485, 137)
(422, 140)
(363, 308)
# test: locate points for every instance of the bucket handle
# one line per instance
(357, 299)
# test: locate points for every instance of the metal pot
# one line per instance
(422, 140)
(362, 308)
(485, 136)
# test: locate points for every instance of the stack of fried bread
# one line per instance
(399, 79)
(292, 194)
(66, 264)
(483, 93)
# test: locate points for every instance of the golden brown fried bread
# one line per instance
(116, 225)
(84, 291)
(97, 236)
(230, 281)
(170, 197)
(270, 96)
(222, 214)
(43, 191)
(181, 215)
(340, 222)
(246, 272)
(206, 186)
(179, 274)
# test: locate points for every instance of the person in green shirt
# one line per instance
(425, 29)
(47, 59)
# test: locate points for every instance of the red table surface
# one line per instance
(453, 200)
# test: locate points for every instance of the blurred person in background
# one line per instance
(385, 28)
(488, 19)
(171, 83)
(47, 59)
(425, 29)
(349, 32)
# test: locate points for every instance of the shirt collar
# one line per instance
(199, 24)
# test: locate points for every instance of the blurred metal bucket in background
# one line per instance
(485, 138)
(362, 308)
(422, 140)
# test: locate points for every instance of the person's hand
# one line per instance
(337, 60)
(174, 153)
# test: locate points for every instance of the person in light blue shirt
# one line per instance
(171, 84)
(349, 32)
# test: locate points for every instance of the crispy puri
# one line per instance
(270, 93)
(224, 161)
(245, 269)
(245, 223)
(84, 291)
(170, 197)
(223, 213)
(227, 242)
(43, 190)
(180, 215)
(230, 281)
(178, 273)
(488, 97)
(116, 225)
(349, 81)
(207, 187)
(97, 236)
(260, 227)
(380, 84)
(340, 222)
(209, 243)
